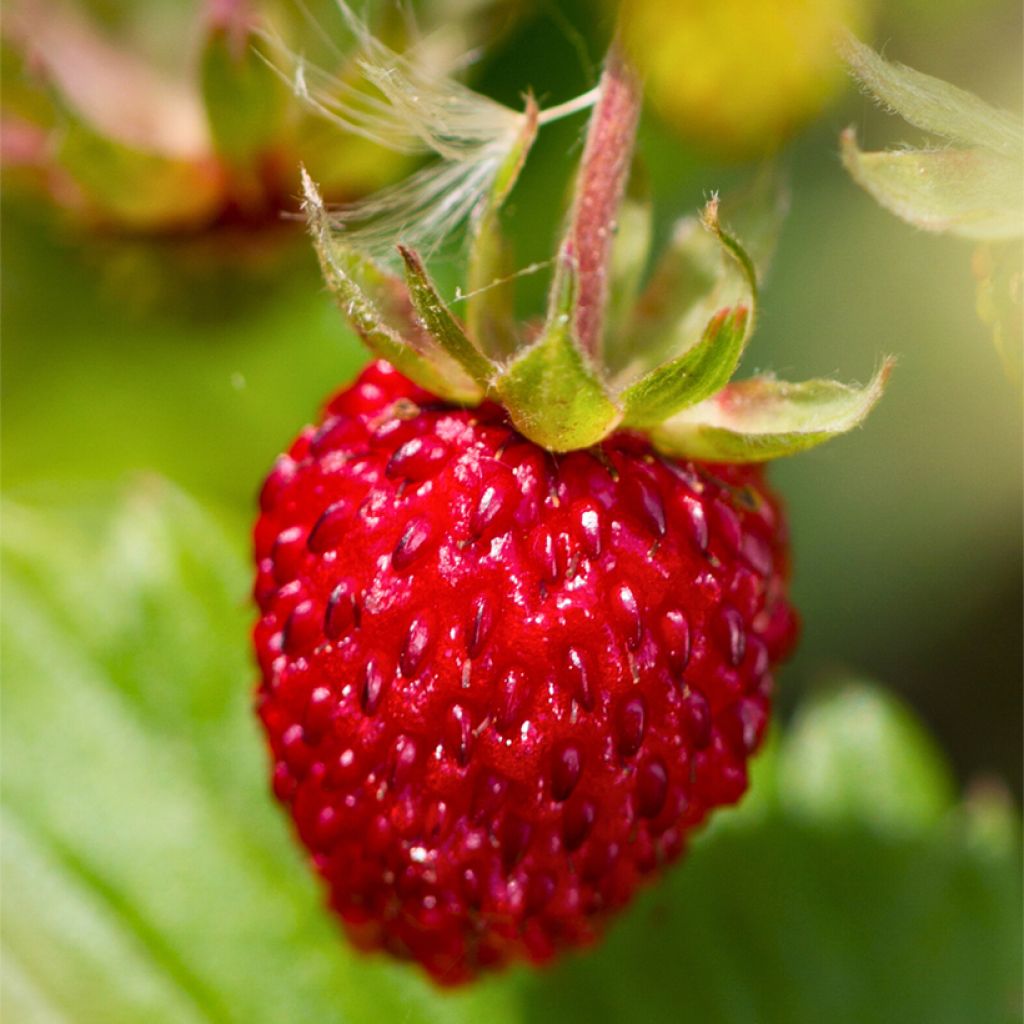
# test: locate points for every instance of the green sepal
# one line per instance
(490, 307)
(712, 221)
(972, 193)
(691, 377)
(760, 419)
(370, 297)
(438, 320)
(756, 212)
(550, 391)
(634, 229)
(244, 99)
(704, 270)
(931, 104)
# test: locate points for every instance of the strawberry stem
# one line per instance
(603, 173)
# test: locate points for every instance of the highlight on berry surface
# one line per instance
(612, 352)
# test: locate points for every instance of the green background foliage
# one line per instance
(147, 875)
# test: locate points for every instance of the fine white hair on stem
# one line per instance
(403, 103)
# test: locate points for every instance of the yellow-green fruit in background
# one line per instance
(739, 76)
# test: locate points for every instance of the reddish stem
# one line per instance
(603, 173)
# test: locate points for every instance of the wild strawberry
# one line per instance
(519, 615)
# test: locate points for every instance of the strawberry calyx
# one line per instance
(605, 358)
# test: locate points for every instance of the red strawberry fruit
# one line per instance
(519, 611)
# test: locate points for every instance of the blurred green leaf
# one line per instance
(967, 192)
(148, 876)
(972, 191)
(155, 881)
(860, 755)
(132, 187)
(244, 99)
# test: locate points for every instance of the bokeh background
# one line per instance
(194, 357)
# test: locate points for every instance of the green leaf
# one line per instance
(438, 320)
(691, 377)
(762, 418)
(704, 272)
(149, 877)
(932, 104)
(858, 754)
(973, 191)
(374, 301)
(550, 391)
(634, 230)
(244, 99)
(822, 907)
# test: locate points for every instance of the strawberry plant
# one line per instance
(602, 764)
